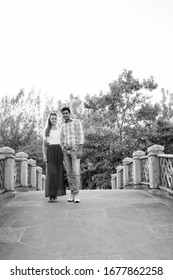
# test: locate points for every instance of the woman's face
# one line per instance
(53, 119)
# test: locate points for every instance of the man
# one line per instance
(72, 139)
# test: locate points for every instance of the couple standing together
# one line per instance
(62, 146)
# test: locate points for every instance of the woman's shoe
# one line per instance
(50, 199)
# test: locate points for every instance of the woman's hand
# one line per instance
(79, 151)
(45, 158)
(47, 144)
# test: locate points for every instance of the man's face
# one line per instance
(66, 115)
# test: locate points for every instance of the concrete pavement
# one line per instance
(107, 224)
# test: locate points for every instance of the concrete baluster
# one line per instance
(154, 170)
(43, 181)
(126, 178)
(119, 183)
(32, 163)
(113, 177)
(39, 172)
(137, 168)
(23, 158)
(9, 155)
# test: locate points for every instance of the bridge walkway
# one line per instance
(107, 224)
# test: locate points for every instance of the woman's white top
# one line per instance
(54, 136)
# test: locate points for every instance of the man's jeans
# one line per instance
(72, 166)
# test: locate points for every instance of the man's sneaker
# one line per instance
(76, 199)
(71, 198)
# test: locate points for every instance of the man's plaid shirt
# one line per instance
(72, 134)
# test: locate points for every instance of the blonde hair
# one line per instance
(48, 124)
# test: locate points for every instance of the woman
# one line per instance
(52, 154)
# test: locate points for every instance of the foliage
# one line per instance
(18, 122)
(148, 113)
(167, 105)
(115, 123)
(162, 134)
(97, 152)
(117, 107)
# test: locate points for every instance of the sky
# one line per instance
(58, 47)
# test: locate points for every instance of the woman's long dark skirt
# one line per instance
(55, 185)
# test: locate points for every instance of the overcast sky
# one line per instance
(80, 46)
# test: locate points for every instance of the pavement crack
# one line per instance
(28, 245)
(9, 234)
(22, 235)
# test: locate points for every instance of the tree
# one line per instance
(120, 114)
(166, 105)
(97, 153)
(20, 123)
(117, 107)
(115, 124)
(148, 113)
(161, 133)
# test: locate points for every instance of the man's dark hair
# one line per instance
(65, 109)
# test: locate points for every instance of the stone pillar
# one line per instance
(9, 155)
(2, 187)
(119, 183)
(23, 158)
(154, 172)
(39, 172)
(137, 167)
(43, 181)
(126, 178)
(32, 163)
(113, 185)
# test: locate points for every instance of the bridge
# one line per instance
(132, 221)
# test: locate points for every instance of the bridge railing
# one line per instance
(144, 170)
(154, 170)
(16, 171)
(2, 168)
(166, 172)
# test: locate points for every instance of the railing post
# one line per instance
(154, 173)
(119, 183)
(39, 171)
(126, 178)
(137, 168)
(2, 165)
(9, 155)
(32, 163)
(43, 181)
(23, 158)
(113, 176)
